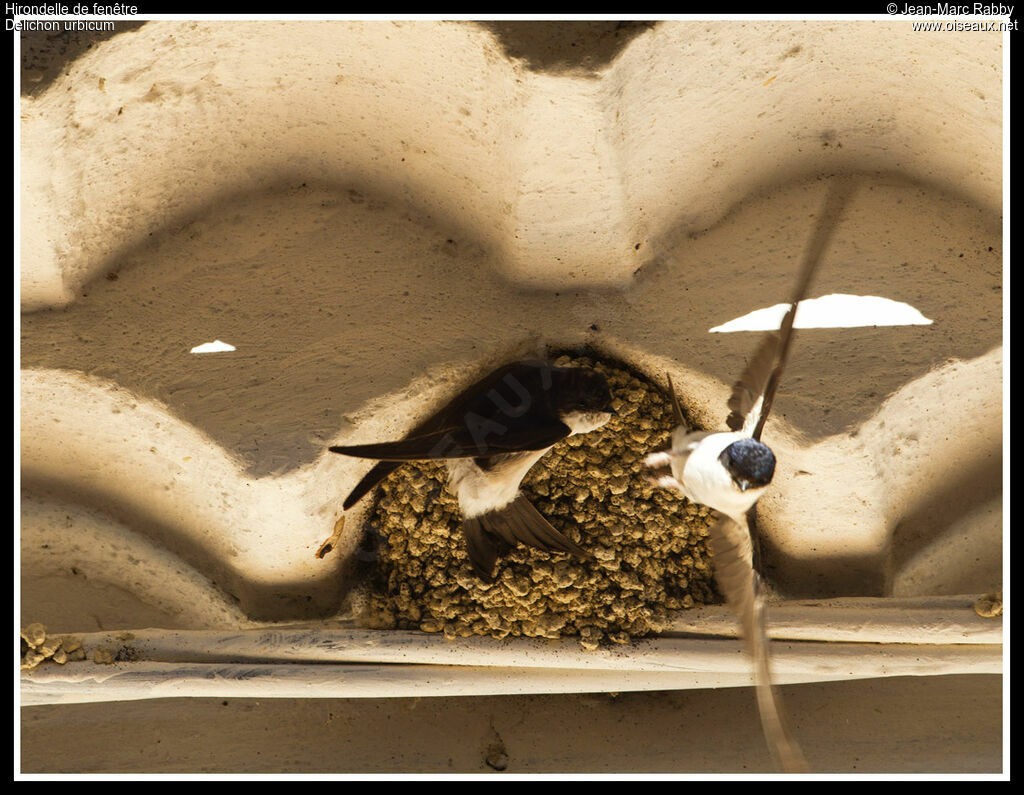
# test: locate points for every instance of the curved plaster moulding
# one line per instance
(157, 125)
(370, 212)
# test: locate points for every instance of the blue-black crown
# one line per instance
(750, 460)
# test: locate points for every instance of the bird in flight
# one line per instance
(489, 437)
(729, 471)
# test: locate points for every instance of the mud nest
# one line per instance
(649, 545)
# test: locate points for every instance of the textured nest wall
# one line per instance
(372, 212)
(649, 548)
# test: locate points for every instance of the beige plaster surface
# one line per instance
(905, 725)
(372, 213)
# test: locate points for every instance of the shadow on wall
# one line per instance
(948, 520)
(565, 46)
(299, 597)
(45, 54)
(543, 46)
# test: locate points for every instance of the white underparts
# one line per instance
(480, 491)
(585, 421)
(703, 478)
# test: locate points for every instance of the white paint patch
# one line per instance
(213, 347)
(831, 311)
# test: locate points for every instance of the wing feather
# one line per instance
(461, 442)
(517, 523)
(761, 378)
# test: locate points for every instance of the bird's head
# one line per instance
(751, 463)
(583, 398)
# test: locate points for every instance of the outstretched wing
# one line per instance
(518, 522)
(467, 426)
(463, 441)
(747, 399)
(739, 583)
(753, 394)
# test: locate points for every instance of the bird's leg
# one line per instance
(667, 482)
(659, 466)
(658, 460)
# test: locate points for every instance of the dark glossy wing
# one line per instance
(474, 440)
(513, 387)
(518, 522)
(740, 585)
(369, 480)
(753, 394)
(510, 406)
(521, 521)
(508, 393)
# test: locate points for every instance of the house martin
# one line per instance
(729, 471)
(489, 437)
